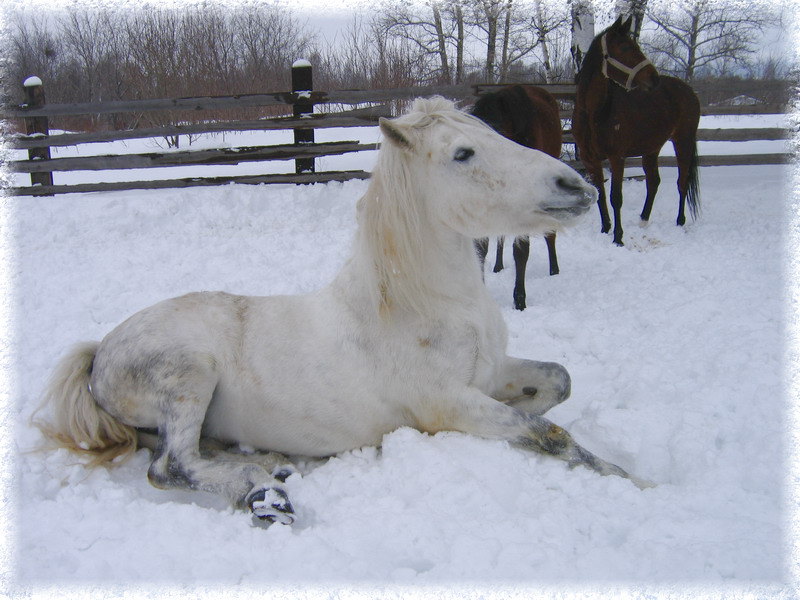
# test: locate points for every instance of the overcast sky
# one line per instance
(330, 18)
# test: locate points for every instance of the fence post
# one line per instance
(302, 81)
(34, 98)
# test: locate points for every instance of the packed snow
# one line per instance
(32, 81)
(678, 347)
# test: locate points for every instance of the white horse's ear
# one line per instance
(392, 133)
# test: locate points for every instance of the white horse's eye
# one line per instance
(463, 154)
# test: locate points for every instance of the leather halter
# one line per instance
(631, 72)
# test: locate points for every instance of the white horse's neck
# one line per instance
(408, 262)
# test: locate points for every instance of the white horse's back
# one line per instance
(406, 334)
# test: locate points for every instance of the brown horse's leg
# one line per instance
(617, 171)
(550, 239)
(686, 155)
(650, 166)
(595, 172)
(498, 259)
(683, 176)
(522, 249)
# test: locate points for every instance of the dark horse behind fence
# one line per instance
(528, 115)
(624, 108)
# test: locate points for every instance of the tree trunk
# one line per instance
(635, 9)
(440, 38)
(459, 14)
(691, 59)
(582, 30)
(506, 35)
(542, 41)
(491, 42)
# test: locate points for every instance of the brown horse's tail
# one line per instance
(78, 423)
(693, 184)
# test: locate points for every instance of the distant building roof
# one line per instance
(740, 100)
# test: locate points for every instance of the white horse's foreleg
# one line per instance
(273, 462)
(531, 386)
(474, 413)
(178, 462)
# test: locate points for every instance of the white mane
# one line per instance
(394, 223)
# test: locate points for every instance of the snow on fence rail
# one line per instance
(38, 141)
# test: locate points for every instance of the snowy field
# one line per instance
(678, 347)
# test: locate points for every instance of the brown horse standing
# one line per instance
(623, 108)
(528, 115)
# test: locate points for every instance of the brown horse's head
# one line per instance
(624, 63)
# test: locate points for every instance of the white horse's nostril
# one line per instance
(571, 184)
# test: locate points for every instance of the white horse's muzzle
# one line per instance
(572, 199)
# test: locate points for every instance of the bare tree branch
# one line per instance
(694, 35)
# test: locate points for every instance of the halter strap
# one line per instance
(630, 71)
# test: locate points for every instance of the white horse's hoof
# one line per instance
(271, 505)
(642, 484)
(283, 472)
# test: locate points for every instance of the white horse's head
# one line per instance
(442, 178)
(476, 181)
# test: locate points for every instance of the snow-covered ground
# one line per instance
(679, 347)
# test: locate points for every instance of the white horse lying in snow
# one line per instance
(405, 335)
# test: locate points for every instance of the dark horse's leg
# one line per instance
(650, 166)
(522, 249)
(550, 240)
(617, 171)
(595, 172)
(482, 249)
(498, 259)
(688, 192)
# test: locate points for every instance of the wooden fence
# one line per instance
(300, 102)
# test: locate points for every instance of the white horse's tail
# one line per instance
(78, 423)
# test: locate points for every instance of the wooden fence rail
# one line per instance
(365, 117)
(300, 102)
(223, 156)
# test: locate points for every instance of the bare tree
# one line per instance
(111, 70)
(582, 16)
(208, 50)
(435, 27)
(269, 37)
(367, 55)
(518, 36)
(441, 42)
(82, 44)
(698, 35)
(518, 27)
(547, 20)
(486, 16)
(632, 8)
(154, 50)
(32, 49)
(455, 10)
